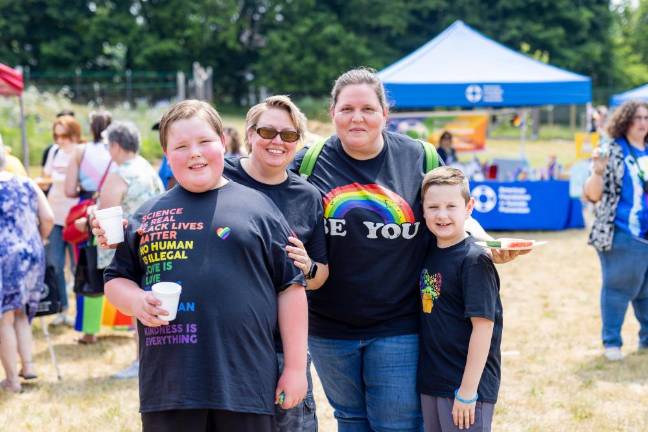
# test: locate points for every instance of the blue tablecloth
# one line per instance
(532, 205)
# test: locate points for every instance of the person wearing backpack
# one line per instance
(363, 322)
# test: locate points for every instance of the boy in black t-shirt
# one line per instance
(214, 367)
(461, 319)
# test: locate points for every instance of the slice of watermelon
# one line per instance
(517, 244)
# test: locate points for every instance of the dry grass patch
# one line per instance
(554, 378)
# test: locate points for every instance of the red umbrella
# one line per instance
(11, 84)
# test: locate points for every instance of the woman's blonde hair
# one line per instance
(281, 102)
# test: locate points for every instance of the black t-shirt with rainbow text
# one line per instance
(229, 256)
(376, 240)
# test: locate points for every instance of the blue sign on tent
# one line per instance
(463, 68)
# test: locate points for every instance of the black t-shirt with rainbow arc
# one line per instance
(226, 247)
(376, 240)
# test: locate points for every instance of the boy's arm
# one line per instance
(478, 348)
(131, 300)
(293, 326)
(463, 414)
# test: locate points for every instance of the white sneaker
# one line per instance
(59, 320)
(63, 319)
(613, 353)
(68, 320)
(130, 372)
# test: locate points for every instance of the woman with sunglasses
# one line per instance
(363, 322)
(273, 130)
(618, 184)
(66, 132)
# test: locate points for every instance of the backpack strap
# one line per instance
(313, 152)
(431, 156)
(308, 163)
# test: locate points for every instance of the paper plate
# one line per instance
(535, 243)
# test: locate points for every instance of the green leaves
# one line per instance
(301, 46)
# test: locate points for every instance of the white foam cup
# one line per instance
(110, 220)
(169, 294)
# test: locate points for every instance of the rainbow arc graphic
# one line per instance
(378, 199)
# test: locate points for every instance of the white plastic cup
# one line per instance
(110, 220)
(169, 294)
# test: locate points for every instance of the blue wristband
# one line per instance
(466, 401)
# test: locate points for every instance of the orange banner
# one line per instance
(468, 128)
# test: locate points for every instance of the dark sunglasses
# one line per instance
(61, 136)
(270, 133)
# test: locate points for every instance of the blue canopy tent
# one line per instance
(639, 93)
(463, 68)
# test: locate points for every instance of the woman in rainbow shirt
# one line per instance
(363, 322)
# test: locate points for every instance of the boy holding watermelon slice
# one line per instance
(461, 319)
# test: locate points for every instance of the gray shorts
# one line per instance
(437, 415)
(301, 418)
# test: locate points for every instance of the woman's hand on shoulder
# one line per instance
(297, 253)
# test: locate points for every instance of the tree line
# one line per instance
(300, 46)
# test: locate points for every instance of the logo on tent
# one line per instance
(485, 198)
(473, 93)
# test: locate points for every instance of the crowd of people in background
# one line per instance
(266, 220)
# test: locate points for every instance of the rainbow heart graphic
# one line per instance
(223, 232)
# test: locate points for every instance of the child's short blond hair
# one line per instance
(187, 109)
(446, 176)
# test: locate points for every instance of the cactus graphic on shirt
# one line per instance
(430, 287)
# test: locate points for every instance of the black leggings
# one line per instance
(206, 420)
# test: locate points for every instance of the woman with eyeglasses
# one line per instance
(363, 322)
(618, 183)
(273, 130)
(89, 164)
(66, 132)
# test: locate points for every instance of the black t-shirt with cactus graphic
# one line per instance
(455, 284)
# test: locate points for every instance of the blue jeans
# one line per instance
(371, 384)
(625, 279)
(55, 256)
(301, 418)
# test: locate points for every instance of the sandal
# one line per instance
(87, 340)
(29, 376)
